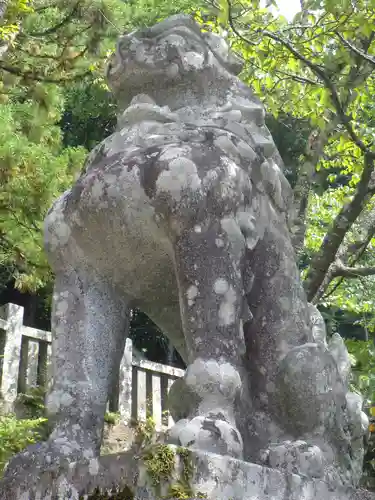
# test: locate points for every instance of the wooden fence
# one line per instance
(141, 389)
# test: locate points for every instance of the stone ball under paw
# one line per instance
(211, 435)
(310, 388)
(297, 457)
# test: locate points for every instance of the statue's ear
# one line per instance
(222, 52)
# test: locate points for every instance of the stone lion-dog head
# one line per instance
(166, 54)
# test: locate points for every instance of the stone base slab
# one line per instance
(218, 477)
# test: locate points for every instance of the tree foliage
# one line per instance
(56, 44)
(319, 69)
(54, 106)
(15, 435)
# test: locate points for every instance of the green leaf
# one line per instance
(223, 17)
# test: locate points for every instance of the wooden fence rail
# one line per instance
(25, 353)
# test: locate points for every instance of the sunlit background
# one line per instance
(288, 8)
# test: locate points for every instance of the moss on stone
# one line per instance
(160, 462)
(111, 418)
(114, 494)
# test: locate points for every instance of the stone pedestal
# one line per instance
(216, 476)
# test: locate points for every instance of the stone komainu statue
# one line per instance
(182, 212)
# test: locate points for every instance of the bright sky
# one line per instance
(289, 8)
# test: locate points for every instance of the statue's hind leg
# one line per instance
(280, 322)
(295, 385)
(88, 327)
(210, 288)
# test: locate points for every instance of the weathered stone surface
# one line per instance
(219, 477)
(11, 356)
(183, 213)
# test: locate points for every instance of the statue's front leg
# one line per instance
(88, 330)
(209, 280)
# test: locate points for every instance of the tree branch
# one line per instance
(234, 29)
(327, 254)
(316, 69)
(45, 7)
(3, 8)
(59, 25)
(4, 44)
(18, 256)
(26, 226)
(352, 272)
(40, 78)
(349, 254)
(323, 259)
(320, 73)
(352, 252)
(301, 191)
(356, 50)
(299, 79)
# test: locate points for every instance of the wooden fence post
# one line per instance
(125, 382)
(11, 354)
(139, 391)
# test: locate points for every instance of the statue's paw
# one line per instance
(41, 456)
(297, 457)
(207, 434)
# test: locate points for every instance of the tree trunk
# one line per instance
(301, 191)
(170, 353)
(327, 253)
(3, 8)
(350, 253)
(3, 44)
